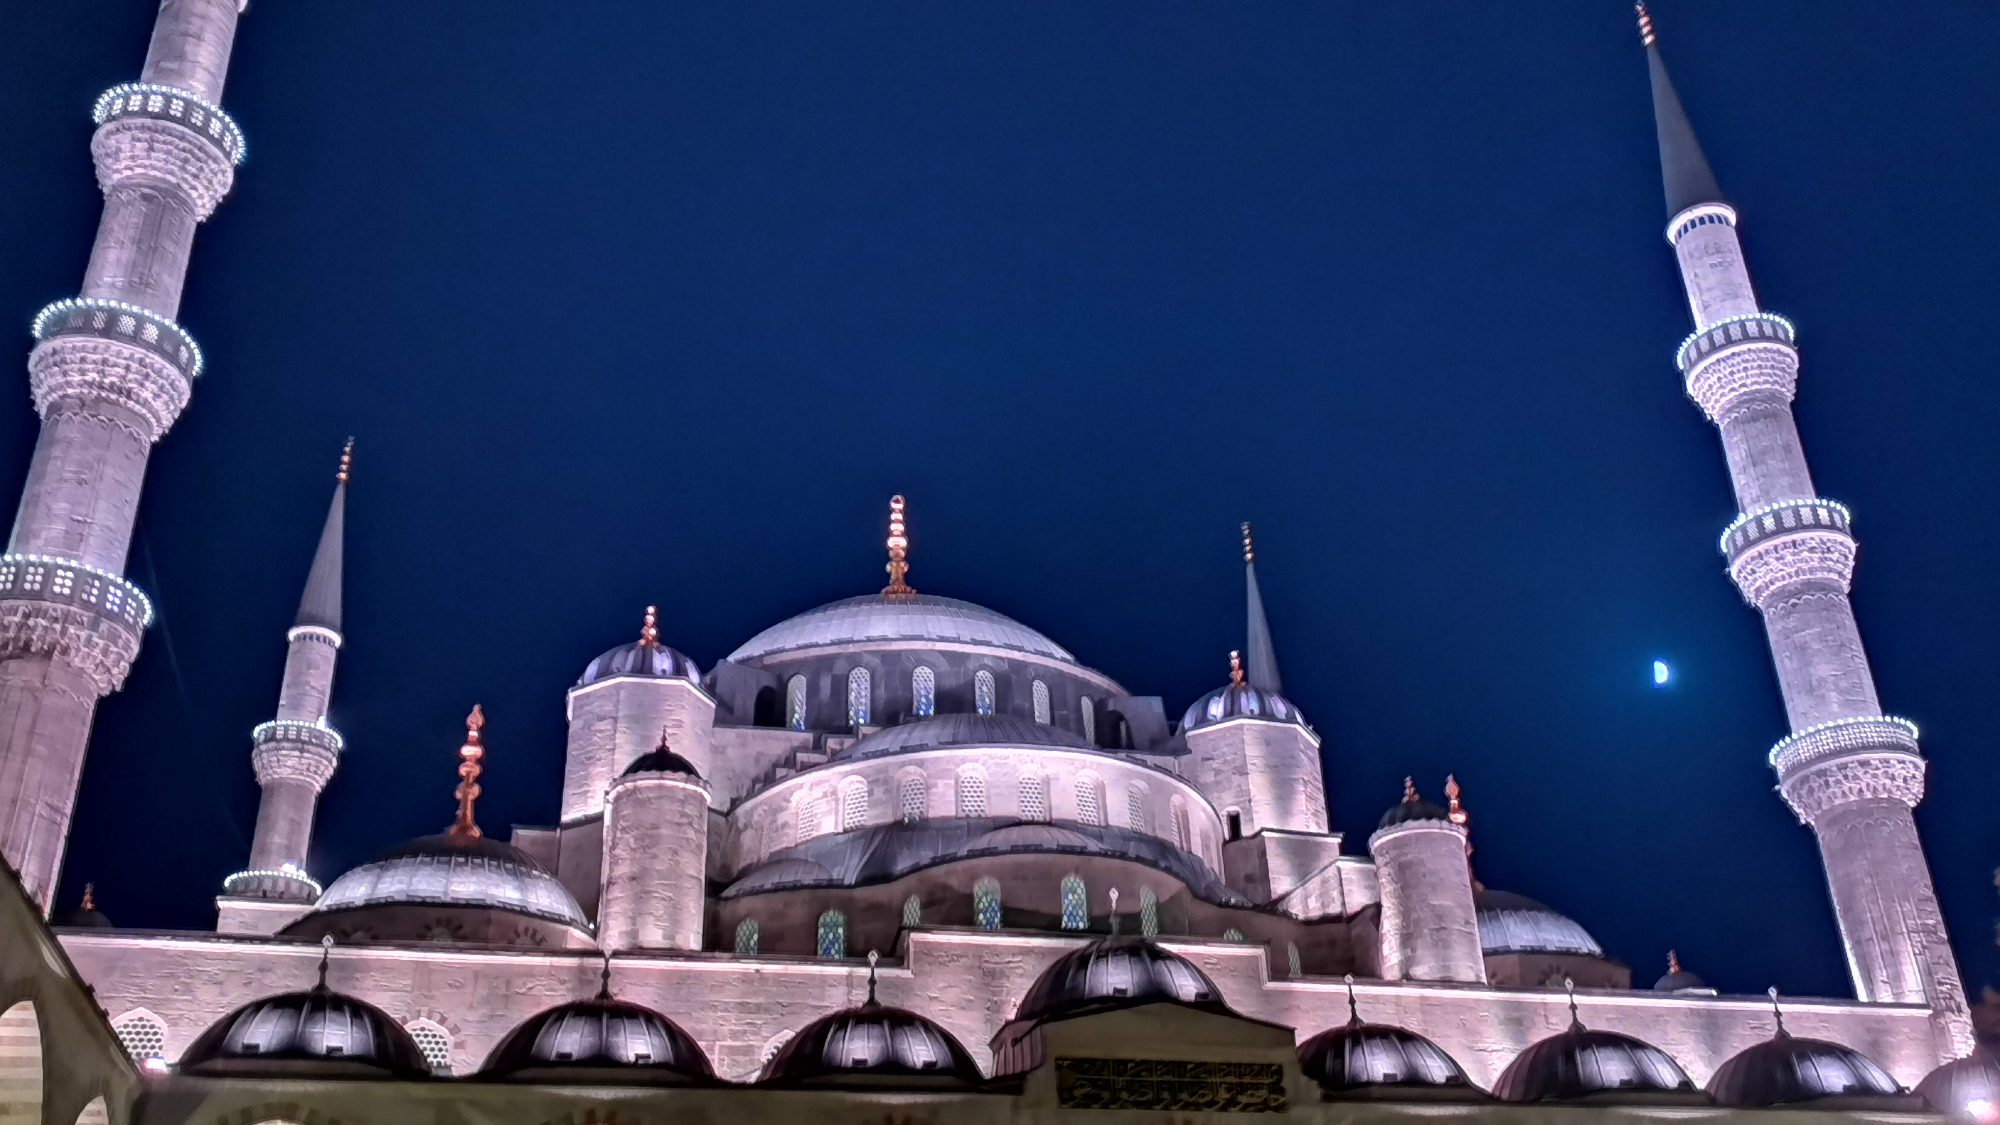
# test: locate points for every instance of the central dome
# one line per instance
(903, 617)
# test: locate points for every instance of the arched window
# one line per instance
(857, 697)
(1075, 904)
(746, 937)
(143, 1034)
(1232, 934)
(434, 1041)
(1149, 912)
(853, 804)
(1087, 708)
(1293, 965)
(808, 818)
(795, 703)
(1183, 832)
(1089, 809)
(1041, 693)
(923, 693)
(982, 692)
(986, 904)
(1034, 797)
(1135, 809)
(832, 934)
(912, 799)
(971, 793)
(913, 912)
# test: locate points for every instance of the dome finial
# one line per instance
(1353, 1010)
(1114, 912)
(468, 773)
(899, 550)
(1569, 986)
(325, 954)
(1777, 1012)
(346, 461)
(1235, 668)
(874, 955)
(649, 629)
(1249, 550)
(1410, 791)
(1645, 24)
(1457, 815)
(1673, 963)
(87, 903)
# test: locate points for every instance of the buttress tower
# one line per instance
(1851, 773)
(110, 372)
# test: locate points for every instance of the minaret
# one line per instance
(295, 753)
(110, 372)
(1849, 771)
(1263, 657)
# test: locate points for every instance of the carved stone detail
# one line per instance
(101, 368)
(297, 761)
(99, 646)
(1742, 375)
(162, 152)
(1808, 555)
(1857, 777)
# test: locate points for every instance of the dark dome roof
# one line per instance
(1680, 981)
(963, 730)
(317, 1032)
(640, 658)
(1785, 1069)
(450, 869)
(906, 617)
(1511, 923)
(1581, 1062)
(1359, 1054)
(1116, 972)
(599, 1034)
(82, 919)
(661, 760)
(1956, 1088)
(876, 1042)
(1240, 701)
(1412, 808)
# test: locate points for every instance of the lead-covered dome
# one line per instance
(1511, 923)
(1966, 1089)
(1240, 701)
(1116, 972)
(873, 1043)
(1582, 1062)
(963, 730)
(455, 869)
(1357, 1055)
(603, 1037)
(1786, 1069)
(317, 1033)
(898, 617)
(640, 659)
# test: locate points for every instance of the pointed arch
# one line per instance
(96, 1113)
(20, 1066)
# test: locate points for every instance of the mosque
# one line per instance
(899, 857)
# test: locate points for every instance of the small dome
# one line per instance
(598, 1035)
(1116, 972)
(661, 760)
(640, 658)
(1784, 1069)
(876, 1042)
(1357, 1054)
(962, 730)
(1581, 1062)
(1966, 1089)
(1412, 808)
(1511, 923)
(451, 869)
(318, 1032)
(1240, 701)
(1681, 981)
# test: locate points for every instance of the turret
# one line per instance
(1849, 771)
(1429, 924)
(655, 855)
(295, 753)
(617, 710)
(110, 372)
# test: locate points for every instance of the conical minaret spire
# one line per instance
(1263, 658)
(295, 753)
(1849, 771)
(110, 372)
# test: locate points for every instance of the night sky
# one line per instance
(660, 301)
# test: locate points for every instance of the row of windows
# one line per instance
(923, 699)
(913, 804)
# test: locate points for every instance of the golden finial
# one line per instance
(346, 461)
(1458, 815)
(899, 549)
(1645, 24)
(468, 773)
(1409, 790)
(1249, 552)
(649, 631)
(1673, 963)
(1235, 668)
(88, 904)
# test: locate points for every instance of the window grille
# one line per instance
(1135, 808)
(1041, 694)
(808, 818)
(1149, 913)
(1293, 964)
(986, 904)
(832, 934)
(1087, 808)
(857, 697)
(982, 692)
(1087, 708)
(1075, 904)
(1034, 798)
(913, 912)
(853, 806)
(912, 799)
(795, 703)
(923, 693)
(971, 794)
(434, 1042)
(1232, 934)
(143, 1034)
(746, 937)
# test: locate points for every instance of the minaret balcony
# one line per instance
(1742, 358)
(1838, 763)
(88, 618)
(124, 324)
(1737, 331)
(294, 731)
(1787, 517)
(287, 751)
(166, 103)
(287, 882)
(1867, 734)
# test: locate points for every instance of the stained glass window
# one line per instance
(1087, 808)
(986, 904)
(971, 793)
(1232, 934)
(1088, 709)
(913, 911)
(1293, 964)
(912, 799)
(1075, 904)
(982, 692)
(857, 697)
(746, 936)
(1135, 808)
(1034, 797)
(1041, 693)
(1149, 912)
(832, 934)
(853, 805)
(795, 703)
(923, 693)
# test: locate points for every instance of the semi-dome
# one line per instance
(455, 869)
(602, 1036)
(318, 1032)
(876, 618)
(873, 1043)
(1583, 1062)
(1786, 1069)
(1966, 1089)
(1240, 701)
(1511, 923)
(1116, 972)
(1358, 1055)
(963, 730)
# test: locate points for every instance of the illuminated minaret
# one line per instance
(1849, 771)
(110, 372)
(294, 755)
